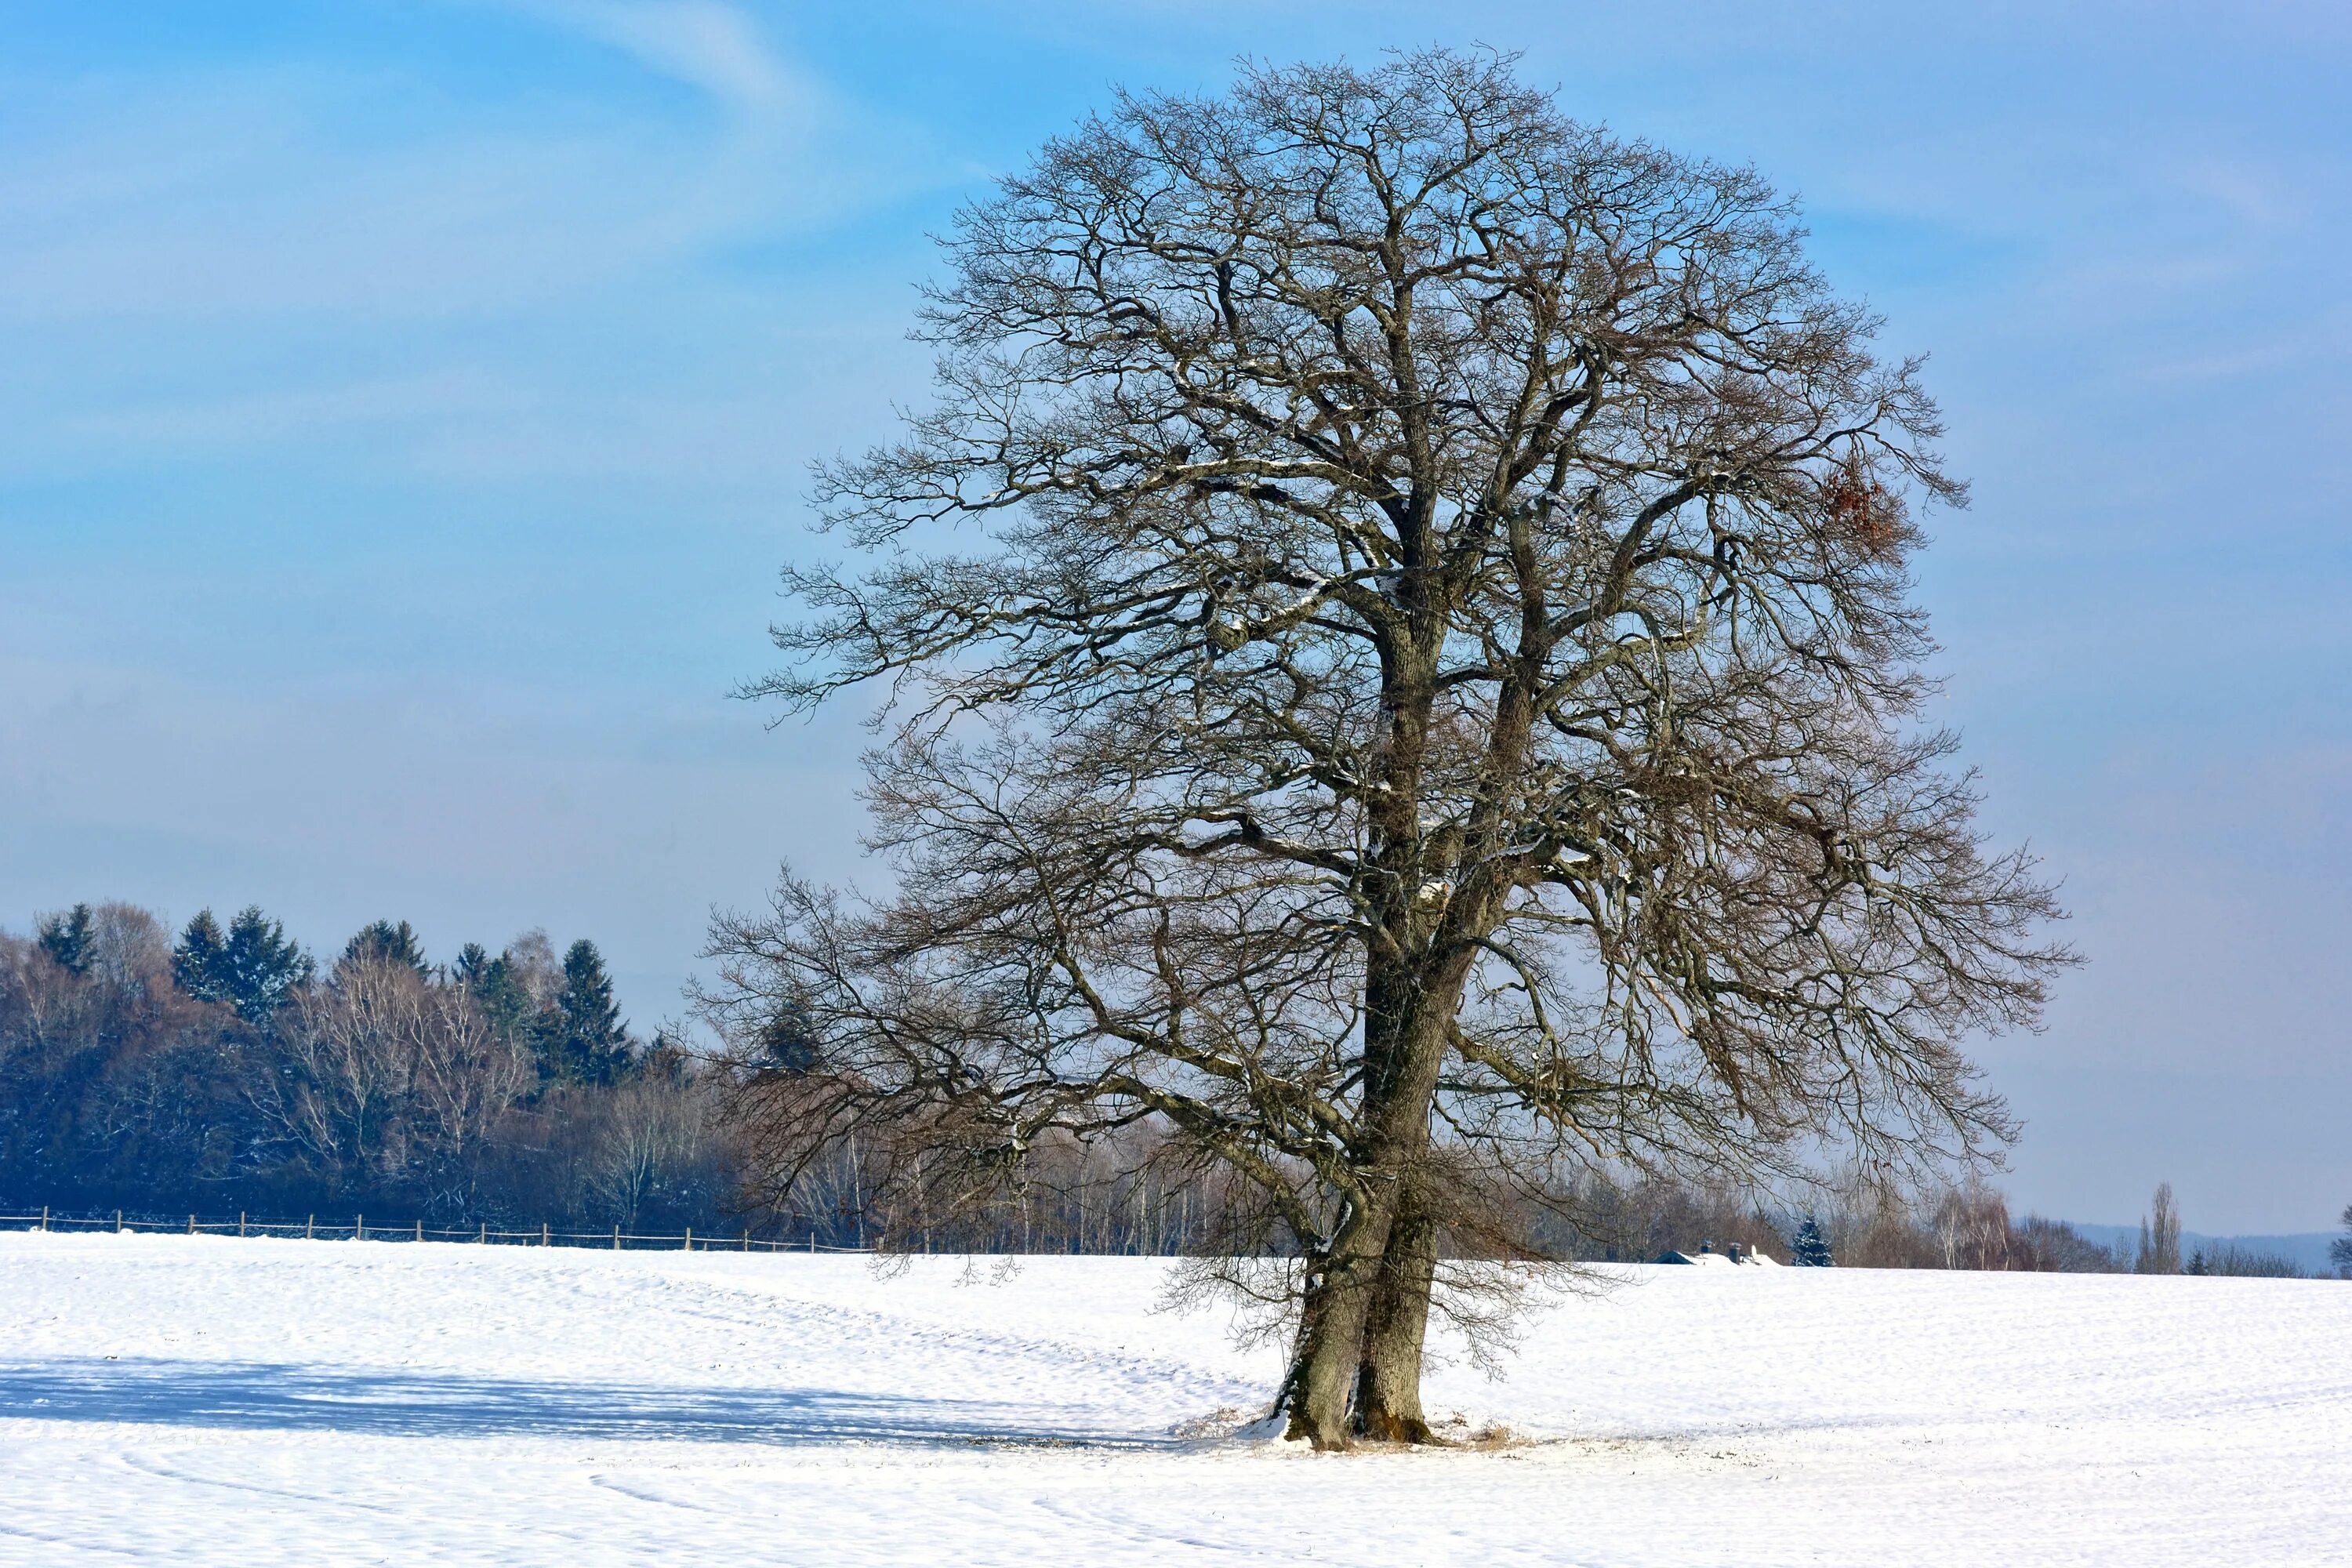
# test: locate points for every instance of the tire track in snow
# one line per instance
(189, 1478)
(407, 1514)
(22, 1534)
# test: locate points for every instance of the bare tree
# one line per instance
(649, 1133)
(392, 1076)
(96, 1055)
(466, 1078)
(531, 961)
(1428, 691)
(2053, 1246)
(1972, 1228)
(353, 1044)
(2159, 1236)
(2230, 1259)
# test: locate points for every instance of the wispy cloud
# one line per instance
(215, 255)
(297, 187)
(705, 43)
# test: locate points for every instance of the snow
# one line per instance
(204, 1401)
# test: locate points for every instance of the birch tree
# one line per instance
(1401, 672)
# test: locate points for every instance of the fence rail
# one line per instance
(357, 1228)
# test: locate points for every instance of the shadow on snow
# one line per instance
(261, 1396)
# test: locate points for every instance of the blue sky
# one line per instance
(404, 406)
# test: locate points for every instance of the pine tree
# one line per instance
(260, 965)
(473, 962)
(388, 942)
(591, 1043)
(199, 961)
(787, 1043)
(67, 938)
(664, 1058)
(1810, 1249)
(495, 990)
(2340, 1251)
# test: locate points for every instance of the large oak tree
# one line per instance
(1404, 676)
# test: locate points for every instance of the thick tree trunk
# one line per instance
(1388, 1385)
(1332, 1326)
(1404, 1050)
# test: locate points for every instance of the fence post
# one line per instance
(118, 1222)
(359, 1228)
(240, 1222)
(689, 1239)
(543, 1236)
(616, 1238)
(746, 1239)
(310, 1228)
(45, 1216)
(420, 1230)
(191, 1225)
(485, 1237)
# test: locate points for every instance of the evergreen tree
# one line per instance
(472, 963)
(590, 1043)
(67, 938)
(1811, 1248)
(664, 1058)
(495, 990)
(787, 1043)
(260, 965)
(2340, 1251)
(253, 966)
(199, 961)
(387, 942)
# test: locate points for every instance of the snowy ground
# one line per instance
(205, 1401)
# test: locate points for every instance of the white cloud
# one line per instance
(702, 43)
(274, 188)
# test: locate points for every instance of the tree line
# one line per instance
(1963, 1225)
(228, 1068)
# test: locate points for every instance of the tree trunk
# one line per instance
(1332, 1326)
(1388, 1385)
(1409, 1014)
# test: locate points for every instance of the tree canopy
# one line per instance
(254, 967)
(1404, 676)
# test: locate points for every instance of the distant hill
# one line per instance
(2308, 1249)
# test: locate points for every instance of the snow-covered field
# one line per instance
(208, 1401)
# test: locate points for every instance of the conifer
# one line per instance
(198, 961)
(67, 940)
(592, 1043)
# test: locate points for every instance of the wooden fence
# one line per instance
(357, 1228)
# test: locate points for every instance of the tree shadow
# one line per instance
(265, 1397)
